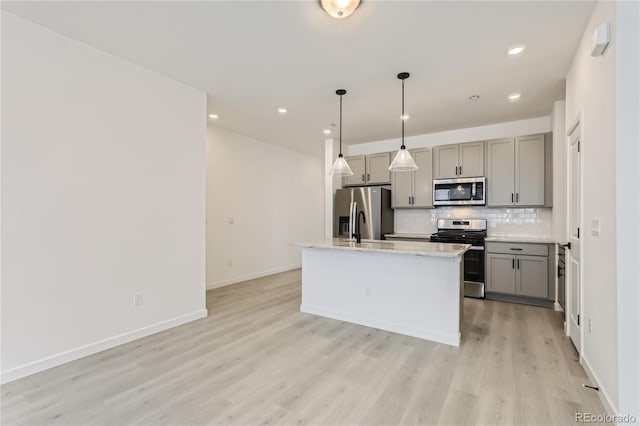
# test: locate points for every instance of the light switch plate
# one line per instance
(595, 227)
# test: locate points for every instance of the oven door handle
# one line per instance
(476, 248)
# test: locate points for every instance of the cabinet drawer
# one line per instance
(518, 248)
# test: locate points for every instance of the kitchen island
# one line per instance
(412, 288)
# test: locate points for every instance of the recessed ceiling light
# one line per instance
(514, 96)
(404, 117)
(327, 131)
(213, 116)
(516, 49)
(282, 110)
(474, 97)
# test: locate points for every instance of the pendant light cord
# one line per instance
(402, 117)
(340, 126)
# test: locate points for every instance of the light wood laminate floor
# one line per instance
(256, 360)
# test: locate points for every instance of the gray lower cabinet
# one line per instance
(519, 271)
(501, 273)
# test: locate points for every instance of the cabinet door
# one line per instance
(530, 170)
(501, 273)
(445, 161)
(401, 189)
(422, 179)
(532, 278)
(357, 165)
(378, 168)
(471, 159)
(500, 172)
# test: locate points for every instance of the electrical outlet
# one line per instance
(589, 324)
(138, 300)
(595, 227)
(230, 263)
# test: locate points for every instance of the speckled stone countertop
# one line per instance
(522, 239)
(412, 236)
(393, 247)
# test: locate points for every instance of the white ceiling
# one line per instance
(253, 57)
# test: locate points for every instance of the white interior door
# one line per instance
(575, 220)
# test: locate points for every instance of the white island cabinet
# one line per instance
(411, 288)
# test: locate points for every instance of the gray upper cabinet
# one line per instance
(530, 170)
(500, 172)
(459, 160)
(471, 159)
(368, 170)
(445, 161)
(414, 189)
(378, 168)
(516, 171)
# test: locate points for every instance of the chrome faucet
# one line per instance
(356, 233)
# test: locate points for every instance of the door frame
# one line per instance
(576, 125)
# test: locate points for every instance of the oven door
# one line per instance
(474, 272)
(457, 192)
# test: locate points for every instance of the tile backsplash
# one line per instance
(500, 221)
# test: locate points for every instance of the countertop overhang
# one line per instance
(392, 247)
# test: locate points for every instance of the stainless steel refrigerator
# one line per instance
(374, 201)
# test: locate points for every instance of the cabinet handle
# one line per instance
(363, 177)
(513, 263)
(518, 263)
(368, 177)
(515, 248)
(517, 196)
(409, 199)
(460, 169)
(512, 197)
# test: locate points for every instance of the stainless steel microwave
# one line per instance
(460, 192)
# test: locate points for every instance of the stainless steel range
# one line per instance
(467, 231)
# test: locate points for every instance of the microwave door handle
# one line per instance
(473, 190)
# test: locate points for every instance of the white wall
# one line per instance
(103, 168)
(470, 134)
(559, 211)
(591, 90)
(627, 205)
(275, 199)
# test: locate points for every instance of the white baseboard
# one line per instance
(602, 393)
(240, 279)
(557, 307)
(435, 336)
(92, 348)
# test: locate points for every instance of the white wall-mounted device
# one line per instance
(601, 39)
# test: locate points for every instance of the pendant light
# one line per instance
(403, 161)
(341, 167)
(339, 8)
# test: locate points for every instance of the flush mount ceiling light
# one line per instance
(514, 96)
(516, 49)
(341, 167)
(213, 116)
(403, 161)
(282, 110)
(339, 8)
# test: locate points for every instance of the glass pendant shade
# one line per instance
(339, 8)
(341, 167)
(403, 162)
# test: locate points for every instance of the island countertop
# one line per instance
(393, 247)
